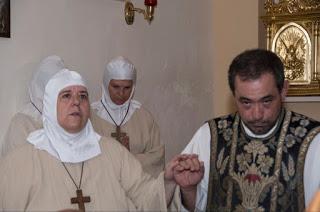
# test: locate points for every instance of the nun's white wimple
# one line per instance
(67, 147)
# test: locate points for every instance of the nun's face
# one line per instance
(73, 108)
(120, 90)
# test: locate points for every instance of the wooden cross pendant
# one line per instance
(118, 134)
(80, 200)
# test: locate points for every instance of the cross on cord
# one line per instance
(118, 134)
(80, 200)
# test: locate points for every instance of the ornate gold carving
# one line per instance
(292, 44)
(292, 29)
(292, 6)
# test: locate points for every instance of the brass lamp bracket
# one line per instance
(129, 10)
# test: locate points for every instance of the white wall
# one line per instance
(174, 55)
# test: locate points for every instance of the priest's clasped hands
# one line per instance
(185, 170)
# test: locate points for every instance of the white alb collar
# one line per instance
(251, 134)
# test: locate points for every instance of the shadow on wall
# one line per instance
(229, 104)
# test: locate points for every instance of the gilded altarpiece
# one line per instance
(292, 32)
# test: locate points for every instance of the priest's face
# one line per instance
(73, 108)
(259, 102)
(120, 90)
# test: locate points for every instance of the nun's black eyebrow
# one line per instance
(68, 91)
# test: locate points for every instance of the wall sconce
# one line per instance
(129, 10)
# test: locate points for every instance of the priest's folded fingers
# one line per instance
(174, 166)
(192, 164)
(179, 168)
(185, 163)
(189, 162)
(195, 164)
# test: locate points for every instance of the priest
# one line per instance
(263, 157)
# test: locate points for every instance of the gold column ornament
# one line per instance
(292, 32)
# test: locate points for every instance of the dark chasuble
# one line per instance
(251, 174)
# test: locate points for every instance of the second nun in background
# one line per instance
(126, 119)
(29, 118)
